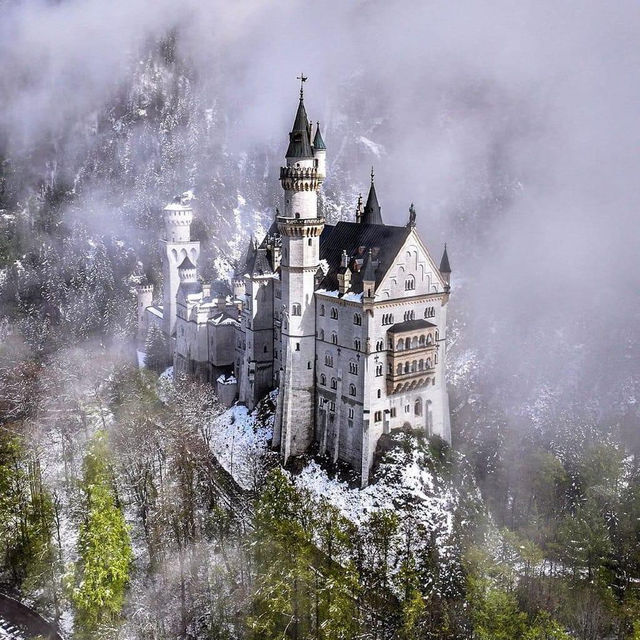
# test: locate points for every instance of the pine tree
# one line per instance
(104, 549)
(157, 349)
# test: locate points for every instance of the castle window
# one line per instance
(296, 310)
(297, 346)
(323, 380)
(378, 416)
(328, 360)
(407, 343)
(353, 368)
(437, 335)
(429, 339)
(334, 383)
(356, 345)
(322, 401)
(352, 389)
(334, 313)
(414, 342)
(410, 284)
(435, 358)
(332, 406)
(406, 367)
(334, 338)
(399, 370)
(379, 393)
(414, 366)
(380, 345)
(351, 413)
(409, 315)
(429, 312)
(321, 334)
(407, 408)
(389, 369)
(321, 309)
(421, 341)
(378, 370)
(393, 412)
(417, 409)
(421, 365)
(309, 242)
(265, 348)
(357, 319)
(400, 345)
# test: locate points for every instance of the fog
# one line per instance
(512, 126)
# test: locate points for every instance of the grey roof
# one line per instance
(187, 264)
(372, 214)
(444, 262)
(299, 139)
(369, 268)
(318, 142)
(411, 325)
(259, 264)
(357, 238)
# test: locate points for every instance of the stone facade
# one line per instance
(347, 321)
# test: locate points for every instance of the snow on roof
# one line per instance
(155, 311)
(226, 380)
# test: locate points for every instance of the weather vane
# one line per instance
(302, 79)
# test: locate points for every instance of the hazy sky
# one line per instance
(521, 116)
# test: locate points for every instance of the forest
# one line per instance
(117, 521)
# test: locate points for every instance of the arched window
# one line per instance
(414, 366)
(356, 344)
(410, 283)
(380, 345)
(323, 380)
(421, 341)
(334, 338)
(420, 365)
(334, 383)
(406, 367)
(435, 358)
(414, 342)
(399, 369)
(296, 310)
(321, 334)
(328, 360)
(352, 389)
(429, 339)
(334, 313)
(379, 393)
(428, 363)
(400, 345)
(321, 309)
(417, 407)
(407, 343)
(378, 370)
(353, 367)
(437, 335)
(357, 319)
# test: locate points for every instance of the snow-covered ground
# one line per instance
(239, 441)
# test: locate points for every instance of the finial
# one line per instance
(302, 79)
(372, 174)
(412, 216)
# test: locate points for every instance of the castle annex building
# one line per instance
(347, 321)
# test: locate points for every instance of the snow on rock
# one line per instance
(375, 148)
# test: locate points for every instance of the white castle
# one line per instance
(347, 321)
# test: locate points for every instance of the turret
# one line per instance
(144, 294)
(359, 209)
(187, 271)
(372, 213)
(344, 274)
(177, 221)
(368, 276)
(320, 153)
(445, 268)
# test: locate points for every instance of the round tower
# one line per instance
(144, 294)
(177, 221)
(300, 227)
(187, 271)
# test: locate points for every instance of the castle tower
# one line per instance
(300, 227)
(176, 246)
(144, 294)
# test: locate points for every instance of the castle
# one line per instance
(347, 321)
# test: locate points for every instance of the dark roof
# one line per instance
(259, 264)
(369, 268)
(187, 264)
(410, 325)
(357, 238)
(444, 262)
(318, 142)
(299, 141)
(372, 214)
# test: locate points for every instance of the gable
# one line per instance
(412, 262)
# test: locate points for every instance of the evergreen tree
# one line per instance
(156, 349)
(104, 548)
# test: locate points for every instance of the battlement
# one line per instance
(300, 227)
(300, 178)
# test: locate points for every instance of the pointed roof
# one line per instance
(186, 264)
(372, 214)
(444, 262)
(299, 138)
(318, 142)
(368, 269)
(251, 249)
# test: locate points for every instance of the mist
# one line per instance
(513, 127)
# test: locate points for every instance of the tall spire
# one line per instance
(299, 138)
(372, 214)
(318, 142)
(444, 262)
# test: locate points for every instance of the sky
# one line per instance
(513, 126)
